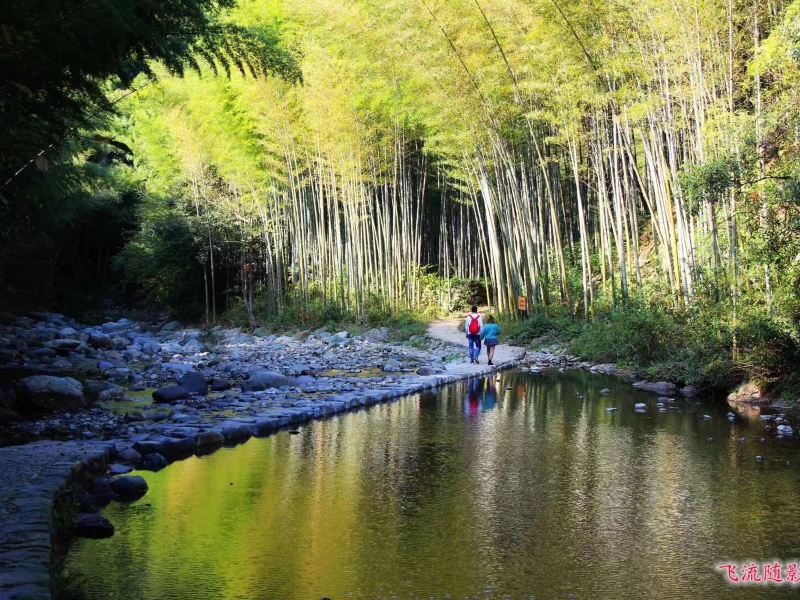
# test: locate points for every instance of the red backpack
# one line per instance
(474, 325)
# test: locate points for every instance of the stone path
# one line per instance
(32, 475)
(451, 331)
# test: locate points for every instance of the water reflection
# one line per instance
(521, 486)
(481, 395)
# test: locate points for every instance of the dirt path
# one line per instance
(449, 330)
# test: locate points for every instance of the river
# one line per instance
(520, 486)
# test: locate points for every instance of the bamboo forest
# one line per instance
(224, 219)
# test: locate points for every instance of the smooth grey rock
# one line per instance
(177, 368)
(40, 353)
(262, 380)
(112, 394)
(101, 340)
(297, 369)
(151, 348)
(689, 391)
(377, 335)
(92, 525)
(194, 382)
(171, 348)
(171, 393)
(392, 366)
(47, 393)
(176, 448)
(663, 388)
(65, 344)
(209, 439)
(120, 342)
(194, 345)
(784, 430)
(101, 490)
(425, 370)
(220, 384)
(118, 469)
(92, 388)
(605, 391)
(171, 326)
(129, 488)
(640, 406)
(129, 455)
(154, 462)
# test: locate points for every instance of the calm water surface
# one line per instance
(515, 488)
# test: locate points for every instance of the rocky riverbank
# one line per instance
(63, 380)
(126, 394)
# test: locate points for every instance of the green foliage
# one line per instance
(402, 324)
(56, 60)
(158, 263)
(711, 182)
(623, 336)
(709, 345)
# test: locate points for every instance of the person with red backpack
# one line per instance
(473, 328)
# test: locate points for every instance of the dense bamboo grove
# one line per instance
(580, 154)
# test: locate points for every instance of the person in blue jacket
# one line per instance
(490, 336)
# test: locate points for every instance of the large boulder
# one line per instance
(392, 366)
(154, 462)
(151, 347)
(92, 525)
(662, 388)
(171, 348)
(377, 335)
(171, 326)
(209, 440)
(220, 384)
(129, 489)
(194, 382)
(44, 393)
(171, 393)
(298, 369)
(66, 345)
(101, 340)
(262, 380)
(194, 345)
(99, 390)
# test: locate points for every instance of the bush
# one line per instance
(634, 336)
(703, 346)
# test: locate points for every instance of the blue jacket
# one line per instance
(491, 331)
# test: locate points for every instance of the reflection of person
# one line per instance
(473, 396)
(473, 327)
(490, 395)
(491, 336)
